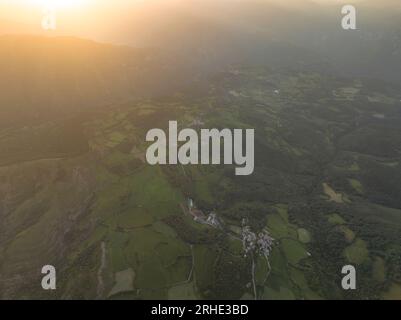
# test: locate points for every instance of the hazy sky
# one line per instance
(27, 10)
(97, 18)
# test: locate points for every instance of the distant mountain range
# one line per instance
(47, 77)
(211, 33)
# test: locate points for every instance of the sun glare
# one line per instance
(51, 8)
(58, 4)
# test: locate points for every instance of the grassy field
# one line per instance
(357, 252)
(326, 187)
